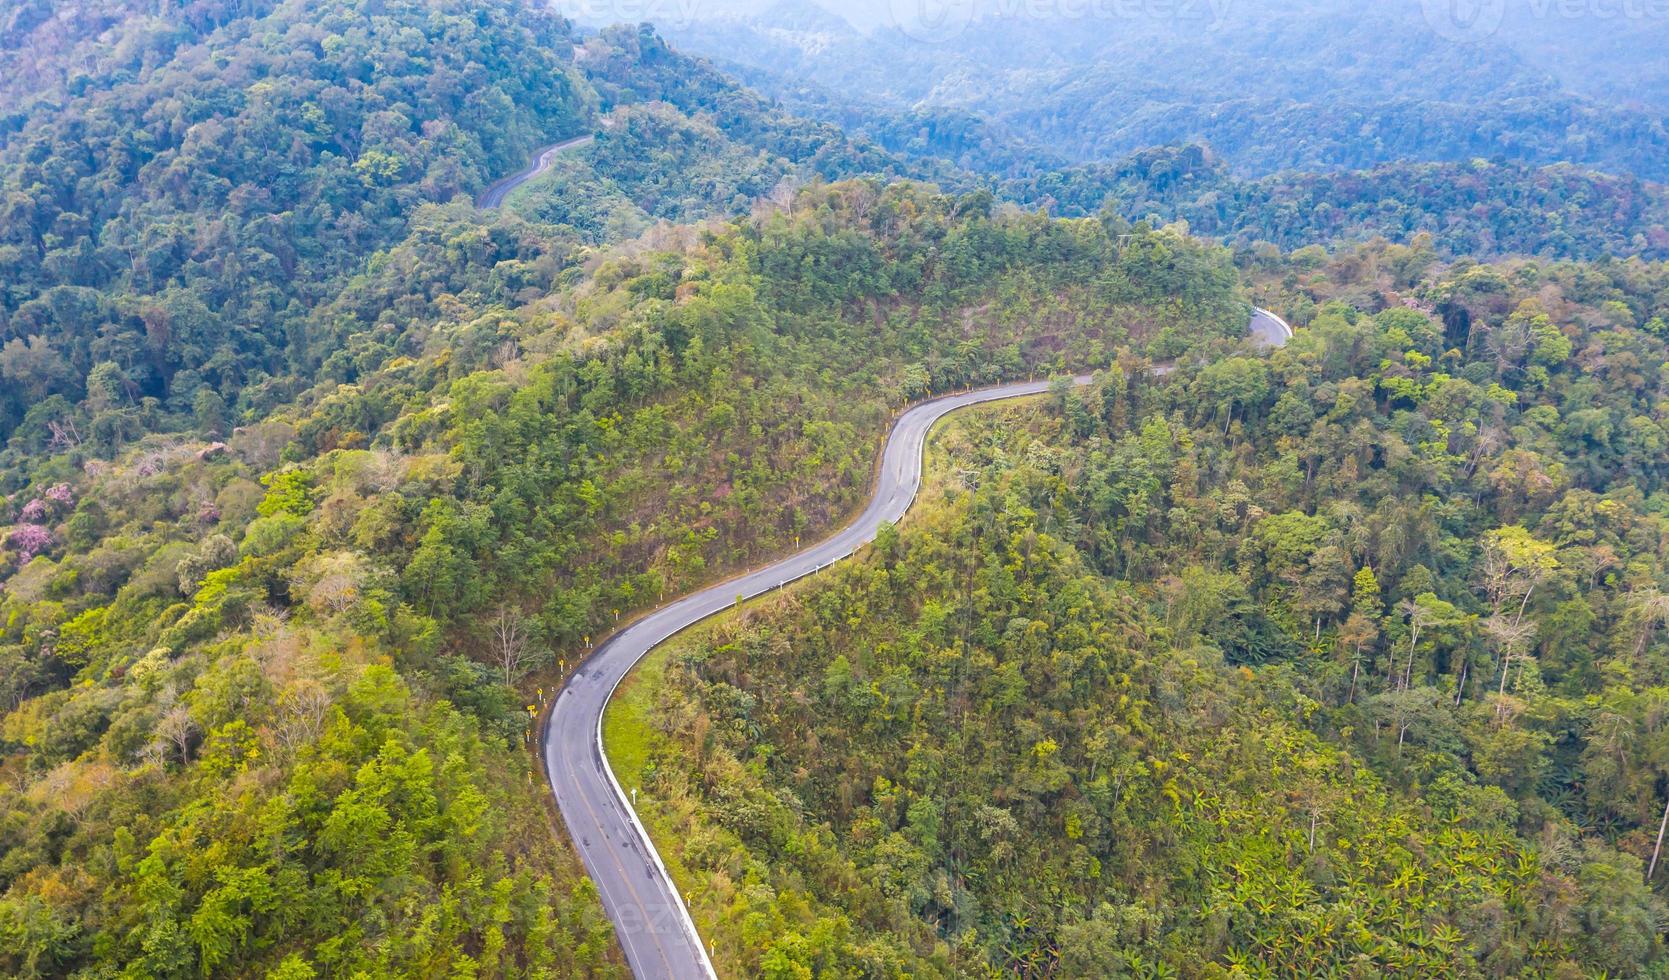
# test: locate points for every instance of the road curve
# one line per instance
(651, 921)
(543, 157)
(1269, 330)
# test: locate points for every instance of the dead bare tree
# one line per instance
(1657, 848)
(512, 643)
(1653, 607)
(64, 433)
(302, 710)
(1512, 636)
(1419, 618)
(178, 728)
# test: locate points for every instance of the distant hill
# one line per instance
(183, 189)
(1270, 86)
(184, 194)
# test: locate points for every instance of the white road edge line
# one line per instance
(920, 454)
(608, 768)
(1285, 326)
(643, 832)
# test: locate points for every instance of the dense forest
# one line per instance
(684, 141)
(172, 222)
(181, 225)
(1347, 658)
(1476, 209)
(1272, 85)
(190, 199)
(678, 140)
(323, 620)
(316, 480)
(1317, 137)
(187, 270)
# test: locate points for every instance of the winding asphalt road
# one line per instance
(651, 922)
(543, 157)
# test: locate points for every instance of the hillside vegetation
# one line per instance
(182, 223)
(261, 701)
(194, 202)
(1344, 658)
(173, 220)
(317, 481)
(1286, 121)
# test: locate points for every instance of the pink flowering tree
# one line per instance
(59, 499)
(29, 540)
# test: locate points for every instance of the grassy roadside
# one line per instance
(631, 737)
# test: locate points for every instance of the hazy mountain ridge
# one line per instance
(1089, 89)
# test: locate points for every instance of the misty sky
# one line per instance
(1620, 17)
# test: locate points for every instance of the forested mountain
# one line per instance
(678, 140)
(261, 707)
(186, 207)
(174, 216)
(188, 195)
(682, 140)
(318, 481)
(1603, 53)
(1477, 208)
(1477, 191)
(1350, 655)
(1272, 85)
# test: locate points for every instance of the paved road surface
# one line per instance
(651, 922)
(1269, 330)
(494, 196)
(653, 927)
